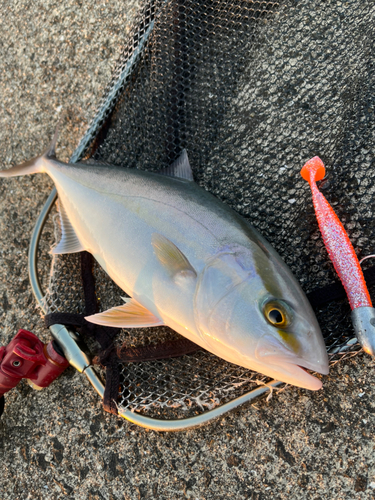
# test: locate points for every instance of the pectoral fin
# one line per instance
(171, 258)
(69, 242)
(130, 315)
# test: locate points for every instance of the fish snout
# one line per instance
(271, 351)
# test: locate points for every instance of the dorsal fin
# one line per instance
(180, 168)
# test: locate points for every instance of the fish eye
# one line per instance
(276, 314)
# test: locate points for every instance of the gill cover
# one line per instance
(250, 326)
(215, 304)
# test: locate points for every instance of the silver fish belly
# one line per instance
(187, 261)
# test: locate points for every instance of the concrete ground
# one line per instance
(59, 443)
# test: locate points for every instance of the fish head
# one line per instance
(251, 311)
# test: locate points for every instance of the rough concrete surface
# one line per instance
(59, 443)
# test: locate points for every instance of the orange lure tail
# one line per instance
(336, 240)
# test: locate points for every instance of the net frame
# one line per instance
(340, 338)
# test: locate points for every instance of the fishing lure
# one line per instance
(343, 257)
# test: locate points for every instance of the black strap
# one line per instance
(67, 319)
(169, 349)
(2, 404)
(112, 384)
(102, 334)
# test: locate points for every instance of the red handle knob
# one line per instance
(28, 357)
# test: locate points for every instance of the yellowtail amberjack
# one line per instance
(187, 261)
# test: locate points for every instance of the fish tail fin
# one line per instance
(35, 165)
(313, 169)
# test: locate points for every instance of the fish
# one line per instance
(343, 257)
(188, 261)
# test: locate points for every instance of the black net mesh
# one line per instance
(252, 90)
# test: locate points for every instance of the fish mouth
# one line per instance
(287, 366)
(298, 376)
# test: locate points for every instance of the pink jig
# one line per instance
(336, 240)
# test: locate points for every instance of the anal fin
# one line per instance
(69, 242)
(130, 315)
